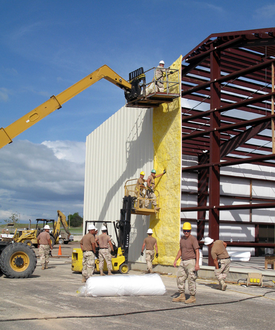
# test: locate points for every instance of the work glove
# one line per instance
(164, 171)
(141, 253)
(157, 255)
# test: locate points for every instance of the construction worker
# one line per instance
(104, 243)
(159, 74)
(150, 189)
(139, 189)
(150, 243)
(219, 255)
(87, 245)
(157, 84)
(44, 244)
(189, 254)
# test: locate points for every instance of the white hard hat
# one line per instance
(103, 228)
(208, 240)
(91, 227)
(149, 231)
(161, 62)
(47, 227)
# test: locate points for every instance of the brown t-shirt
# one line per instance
(43, 238)
(188, 247)
(218, 250)
(103, 241)
(87, 241)
(150, 242)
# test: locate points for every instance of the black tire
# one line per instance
(123, 268)
(18, 260)
(28, 242)
(52, 240)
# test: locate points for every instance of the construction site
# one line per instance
(208, 133)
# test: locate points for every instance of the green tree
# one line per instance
(13, 218)
(75, 220)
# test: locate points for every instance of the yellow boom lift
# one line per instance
(134, 94)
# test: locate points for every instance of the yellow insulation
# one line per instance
(168, 155)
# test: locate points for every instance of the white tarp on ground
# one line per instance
(123, 285)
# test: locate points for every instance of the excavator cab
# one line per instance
(147, 94)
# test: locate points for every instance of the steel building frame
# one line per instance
(228, 116)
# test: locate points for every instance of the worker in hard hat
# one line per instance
(150, 195)
(104, 242)
(157, 84)
(150, 243)
(140, 190)
(88, 248)
(219, 255)
(189, 265)
(44, 244)
(159, 75)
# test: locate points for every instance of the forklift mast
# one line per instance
(125, 225)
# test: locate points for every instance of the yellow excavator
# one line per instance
(29, 236)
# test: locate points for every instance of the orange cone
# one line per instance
(59, 251)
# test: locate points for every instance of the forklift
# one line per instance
(122, 230)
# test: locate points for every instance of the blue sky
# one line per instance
(46, 46)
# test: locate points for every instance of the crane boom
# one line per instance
(56, 102)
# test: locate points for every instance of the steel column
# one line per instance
(214, 154)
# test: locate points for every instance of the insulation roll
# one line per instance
(123, 285)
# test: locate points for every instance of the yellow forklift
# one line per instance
(122, 230)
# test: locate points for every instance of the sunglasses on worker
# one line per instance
(186, 231)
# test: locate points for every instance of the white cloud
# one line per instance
(4, 94)
(36, 180)
(67, 150)
(265, 12)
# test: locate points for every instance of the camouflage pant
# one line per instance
(105, 254)
(149, 258)
(222, 272)
(150, 196)
(44, 251)
(187, 271)
(88, 263)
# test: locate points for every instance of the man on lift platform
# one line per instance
(150, 189)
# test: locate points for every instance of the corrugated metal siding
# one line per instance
(232, 188)
(117, 151)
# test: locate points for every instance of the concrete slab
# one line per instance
(49, 299)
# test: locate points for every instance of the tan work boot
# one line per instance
(101, 273)
(83, 279)
(43, 267)
(180, 298)
(110, 273)
(223, 285)
(46, 266)
(191, 300)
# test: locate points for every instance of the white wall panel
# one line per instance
(118, 150)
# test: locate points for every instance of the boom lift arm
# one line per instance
(56, 102)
